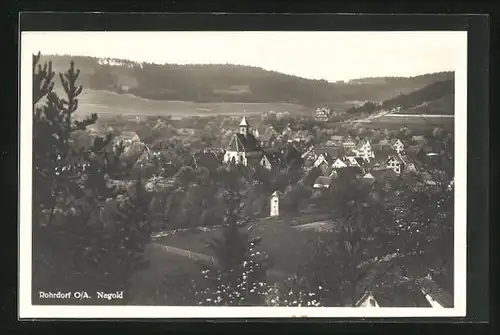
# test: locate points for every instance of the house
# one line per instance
(268, 139)
(330, 143)
(337, 139)
(339, 164)
(419, 139)
(323, 182)
(301, 136)
(349, 143)
(423, 293)
(272, 160)
(397, 145)
(396, 164)
(128, 137)
(309, 154)
(287, 130)
(324, 161)
(435, 295)
(410, 167)
(275, 203)
(364, 150)
(368, 179)
(367, 301)
(243, 146)
(322, 114)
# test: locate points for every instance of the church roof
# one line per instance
(244, 121)
(243, 143)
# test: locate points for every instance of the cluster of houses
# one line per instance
(361, 158)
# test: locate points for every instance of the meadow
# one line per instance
(104, 102)
(279, 240)
(415, 123)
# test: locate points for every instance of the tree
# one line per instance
(239, 277)
(351, 259)
(294, 196)
(425, 217)
(73, 247)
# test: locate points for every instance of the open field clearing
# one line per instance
(413, 122)
(103, 102)
(279, 240)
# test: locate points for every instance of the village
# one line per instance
(317, 206)
(368, 160)
(318, 167)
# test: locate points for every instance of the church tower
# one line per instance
(244, 126)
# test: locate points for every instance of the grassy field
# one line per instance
(279, 239)
(414, 123)
(286, 246)
(103, 102)
(146, 283)
(442, 106)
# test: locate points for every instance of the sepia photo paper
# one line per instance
(243, 174)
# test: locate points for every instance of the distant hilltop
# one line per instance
(231, 83)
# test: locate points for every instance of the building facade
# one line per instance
(243, 147)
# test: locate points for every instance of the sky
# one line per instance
(331, 56)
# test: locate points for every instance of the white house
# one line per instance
(411, 167)
(322, 114)
(398, 146)
(322, 182)
(349, 143)
(396, 164)
(272, 160)
(265, 162)
(339, 164)
(367, 301)
(322, 159)
(243, 147)
(275, 203)
(364, 150)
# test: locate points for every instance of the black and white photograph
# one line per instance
(272, 173)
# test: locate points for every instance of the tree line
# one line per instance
(224, 83)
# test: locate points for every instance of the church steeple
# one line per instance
(244, 126)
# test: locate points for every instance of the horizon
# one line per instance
(310, 55)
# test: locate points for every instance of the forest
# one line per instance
(233, 83)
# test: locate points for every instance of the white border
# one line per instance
(29, 311)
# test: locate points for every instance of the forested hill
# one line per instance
(231, 83)
(436, 98)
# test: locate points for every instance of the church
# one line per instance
(243, 147)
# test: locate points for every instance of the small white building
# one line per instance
(364, 150)
(275, 203)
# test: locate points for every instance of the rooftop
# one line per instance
(246, 143)
(244, 121)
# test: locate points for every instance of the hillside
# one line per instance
(231, 83)
(436, 98)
